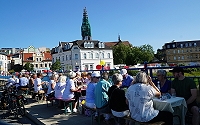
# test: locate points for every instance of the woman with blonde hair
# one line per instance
(140, 100)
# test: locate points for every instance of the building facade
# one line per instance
(182, 52)
(83, 54)
(3, 63)
(40, 57)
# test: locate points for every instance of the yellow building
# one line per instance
(182, 52)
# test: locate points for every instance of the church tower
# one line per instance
(85, 28)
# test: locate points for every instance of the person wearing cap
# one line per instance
(90, 96)
(71, 91)
(101, 96)
(186, 88)
(127, 79)
(117, 100)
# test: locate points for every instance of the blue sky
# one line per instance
(43, 23)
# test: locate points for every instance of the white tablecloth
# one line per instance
(176, 105)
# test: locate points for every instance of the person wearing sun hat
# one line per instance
(127, 79)
(90, 96)
(186, 88)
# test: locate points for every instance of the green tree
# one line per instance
(147, 53)
(28, 66)
(120, 53)
(56, 66)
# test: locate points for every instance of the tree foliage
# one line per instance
(56, 66)
(28, 66)
(132, 55)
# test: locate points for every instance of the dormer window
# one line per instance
(75, 47)
(91, 45)
(173, 45)
(101, 45)
(186, 45)
(195, 44)
(85, 45)
(190, 44)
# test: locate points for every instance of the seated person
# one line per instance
(11, 81)
(51, 86)
(60, 87)
(186, 88)
(140, 100)
(90, 96)
(127, 79)
(38, 85)
(70, 90)
(117, 100)
(23, 82)
(162, 83)
(101, 96)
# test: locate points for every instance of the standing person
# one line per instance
(101, 96)
(140, 100)
(162, 83)
(127, 79)
(117, 100)
(186, 88)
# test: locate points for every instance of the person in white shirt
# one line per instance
(69, 91)
(38, 85)
(11, 81)
(51, 84)
(60, 87)
(140, 100)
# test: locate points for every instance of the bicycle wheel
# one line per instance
(21, 108)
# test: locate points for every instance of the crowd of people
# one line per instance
(119, 97)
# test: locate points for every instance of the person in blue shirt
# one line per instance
(127, 79)
(162, 83)
(23, 82)
(90, 96)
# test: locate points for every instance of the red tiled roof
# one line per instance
(27, 57)
(47, 56)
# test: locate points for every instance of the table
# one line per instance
(176, 105)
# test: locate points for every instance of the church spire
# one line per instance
(85, 28)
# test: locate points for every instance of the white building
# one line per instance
(3, 64)
(82, 55)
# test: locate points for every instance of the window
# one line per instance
(179, 57)
(36, 59)
(182, 51)
(63, 58)
(169, 58)
(75, 47)
(178, 51)
(108, 55)
(196, 56)
(70, 57)
(91, 55)
(97, 55)
(66, 57)
(76, 56)
(102, 55)
(174, 57)
(91, 67)
(40, 59)
(59, 58)
(45, 65)
(195, 44)
(181, 45)
(190, 44)
(41, 65)
(186, 45)
(49, 64)
(182, 57)
(86, 67)
(190, 50)
(168, 46)
(173, 45)
(84, 56)
(36, 65)
(85, 45)
(168, 52)
(174, 51)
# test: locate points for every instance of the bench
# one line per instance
(92, 112)
(70, 102)
(143, 123)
